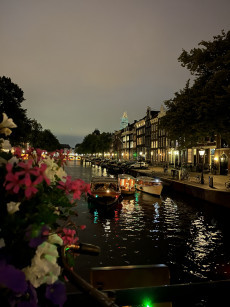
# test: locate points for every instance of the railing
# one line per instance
(215, 293)
(101, 298)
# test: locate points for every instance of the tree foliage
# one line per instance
(49, 141)
(95, 143)
(28, 131)
(40, 138)
(35, 134)
(202, 109)
(11, 99)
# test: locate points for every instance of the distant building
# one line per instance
(124, 121)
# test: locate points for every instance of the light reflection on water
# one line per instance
(192, 238)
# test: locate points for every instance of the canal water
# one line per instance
(191, 237)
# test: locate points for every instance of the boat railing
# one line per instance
(99, 298)
(214, 293)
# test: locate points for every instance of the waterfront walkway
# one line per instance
(218, 180)
(213, 190)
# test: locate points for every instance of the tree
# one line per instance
(104, 142)
(89, 144)
(49, 142)
(35, 137)
(11, 98)
(202, 109)
(96, 132)
(95, 143)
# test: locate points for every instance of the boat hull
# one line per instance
(127, 192)
(149, 185)
(154, 190)
(104, 201)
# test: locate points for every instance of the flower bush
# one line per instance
(36, 197)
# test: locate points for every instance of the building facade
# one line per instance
(144, 140)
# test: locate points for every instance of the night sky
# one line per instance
(82, 63)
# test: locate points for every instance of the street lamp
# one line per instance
(176, 153)
(202, 152)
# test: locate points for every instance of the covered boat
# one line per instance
(127, 184)
(149, 185)
(105, 191)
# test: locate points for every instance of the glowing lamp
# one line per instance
(202, 152)
(147, 303)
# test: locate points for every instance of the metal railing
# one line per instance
(214, 292)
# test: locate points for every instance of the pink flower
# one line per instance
(87, 188)
(40, 173)
(30, 190)
(66, 186)
(30, 151)
(39, 153)
(82, 227)
(78, 186)
(69, 236)
(18, 152)
(9, 167)
(27, 171)
(61, 157)
(12, 181)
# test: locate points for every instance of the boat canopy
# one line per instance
(126, 176)
(146, 178)
(104, 180)
(104, 183)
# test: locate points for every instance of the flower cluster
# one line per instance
(36, 196)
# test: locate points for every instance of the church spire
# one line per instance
(124, 121)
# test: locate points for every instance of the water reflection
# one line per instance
(190, 237)
(205, 239)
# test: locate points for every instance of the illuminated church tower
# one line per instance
(124, 121)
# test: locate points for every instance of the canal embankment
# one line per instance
(213, 189)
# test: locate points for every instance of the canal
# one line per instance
(190, 236)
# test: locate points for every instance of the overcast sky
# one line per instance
(82, 63)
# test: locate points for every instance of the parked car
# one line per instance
(138, 165)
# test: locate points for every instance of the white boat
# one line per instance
(127, 184)
(149, 185)
(105, 191)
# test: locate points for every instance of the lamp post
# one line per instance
(176, 153)
(140, 156)
(202, 152)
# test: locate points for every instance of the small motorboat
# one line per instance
(105, 191)
(127, 184)
(149, 185)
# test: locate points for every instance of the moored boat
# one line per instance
(105, 191)
(127, 184)
(149, 185)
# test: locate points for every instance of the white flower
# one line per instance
(2, 243)
(53, 170)
(56, 211)
(5, 144)
(6, 124)
(55, 239)
(44, 267)
(61, 173)
(12, 207)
